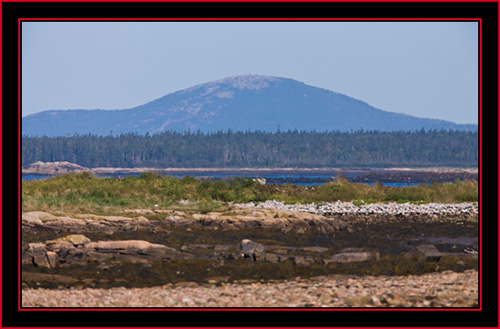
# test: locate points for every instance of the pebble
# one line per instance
(436, 290)
(393, 208)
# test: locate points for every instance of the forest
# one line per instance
(280, 149)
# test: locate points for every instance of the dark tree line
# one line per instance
(259, 149)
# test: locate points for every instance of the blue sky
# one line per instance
(425, 69)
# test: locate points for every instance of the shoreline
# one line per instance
(59, 168)
(283, 171)
(337, 255)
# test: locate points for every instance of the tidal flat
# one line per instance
(184, 237)
(240, 244)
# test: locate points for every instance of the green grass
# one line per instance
(84, 192)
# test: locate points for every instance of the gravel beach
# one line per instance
(387, 209)
(447, 289)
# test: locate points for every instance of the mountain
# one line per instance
(239, 103)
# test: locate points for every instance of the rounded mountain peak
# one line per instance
(249, 81)
(240, 82)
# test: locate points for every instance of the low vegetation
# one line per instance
(86, 193)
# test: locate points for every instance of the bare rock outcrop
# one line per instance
(54, 168)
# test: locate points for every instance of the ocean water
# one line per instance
(303, 180)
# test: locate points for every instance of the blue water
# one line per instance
(402, 184)
(398, 184)
(35, 177)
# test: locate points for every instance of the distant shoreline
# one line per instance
(284, 170)
(59, 168)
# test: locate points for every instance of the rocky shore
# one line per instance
(267, 249)
(386, 209)
(54, 168)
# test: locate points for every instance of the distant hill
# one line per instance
(239, 103)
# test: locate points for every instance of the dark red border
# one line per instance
(479, 20)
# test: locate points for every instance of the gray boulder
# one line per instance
(275, 258)
(305, 261)
(427, 251)
(353, 256)
(253, 250)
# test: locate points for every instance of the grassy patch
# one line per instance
(83, 191)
